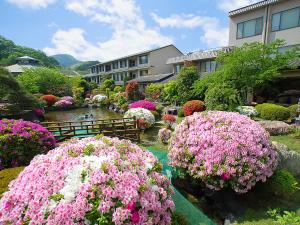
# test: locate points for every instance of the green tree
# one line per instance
(153, 91)
(185, 81)
(170, 91)
(46, 81)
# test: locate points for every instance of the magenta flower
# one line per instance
(135, 218)
(131, 206)
(225, 176)
(143, 104)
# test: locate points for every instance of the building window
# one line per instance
(250, 28)
(208, 66)
(123, 63)
(178, 68)
(132, 63)
(107, 68)
(115, 65)
(286, 19)
(143, 72)
(143, 59)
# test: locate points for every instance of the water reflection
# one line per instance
(81, 114)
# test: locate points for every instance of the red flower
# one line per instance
(169, 117)
(225, 176)
(193, 106)
(50, 99)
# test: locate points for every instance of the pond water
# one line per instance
(80, 114)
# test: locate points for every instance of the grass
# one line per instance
(289, 140)
(6, 176)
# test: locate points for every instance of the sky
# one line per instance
(107, 29)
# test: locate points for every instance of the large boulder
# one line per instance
(275, 127)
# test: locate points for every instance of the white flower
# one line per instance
(99, 98)
(141, 113)
(247, 110)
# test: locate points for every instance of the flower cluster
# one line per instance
(141, 114)
(143, 104)
(68, 98)
(96, 180)
(63, 103)
(164, 135)
(39, 112)
(247, 111)
(50, 99)
(193, 106)
(99, 98)
(21, 140)
(223, 149)
(169, 119)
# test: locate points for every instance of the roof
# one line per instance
(252, 7)
(138, 53)
(154, 78)
(198, 55)
(16, 68)
(27, 57)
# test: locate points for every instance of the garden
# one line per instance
(207, 154)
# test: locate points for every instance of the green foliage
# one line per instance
(6, 176)
(284, 218)
(180, 113)
(293, 111)
(269, 111)
(170, 91)
(178, 219)
(9, 52)
(153, 91)
(222, 97)
(201, 86)
(118, 89)
(45, 81)
(107, 85)
(159, 108)
(14, 93)
(185, 81)
(282, 183)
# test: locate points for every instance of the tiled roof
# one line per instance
(198, 55)
(27, 57)
(16, 68)
(252, 7)
(154, 78)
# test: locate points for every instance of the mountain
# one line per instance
(84, 66)
(9, 51)
(66, 60)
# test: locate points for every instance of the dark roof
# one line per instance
(154, 78)
(26, 57)
(252, 7)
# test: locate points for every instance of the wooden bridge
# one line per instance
(126, 128)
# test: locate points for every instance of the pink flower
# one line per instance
(7, 205)
(135, 218)
(225, 176)
(131, 206)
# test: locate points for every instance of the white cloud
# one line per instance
(130, 32)
(33, 4)
(52, 25)
(214, 35)
(229, 5)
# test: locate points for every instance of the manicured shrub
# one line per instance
(282, 183)
(50, 99)
(140, 113)
(169, 120)
(40, 113)
(21, 140)
(96, 180)
(164, 135)
(193, 106)
(118, 89)
(293, 111)
(67, 98)
(143, 104)
(249, 111)
(63, 104)
(132, 90)
(7, 175)
(223, 150)
(99, 98)
(269, 111)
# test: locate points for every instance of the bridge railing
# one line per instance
(125, 128)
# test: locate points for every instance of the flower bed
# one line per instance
(21, 140)
(90, 181)
(223, 149)
(141, 114)
(164, 135)
(193, 106)
(143, 104)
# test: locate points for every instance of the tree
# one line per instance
(185, 81)
(170, 91)
(153, 91)
(132, 90)
(46, 81)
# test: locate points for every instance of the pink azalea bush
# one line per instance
(223, 150)
(96, 180)
(21, 140)
(164, 135)
(63, 104)
(68, 98)
(143, 104)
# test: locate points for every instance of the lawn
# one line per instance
(290, 140)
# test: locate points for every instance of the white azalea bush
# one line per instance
(99, 98)
(143, 115)
(96, 180)
(249, 111)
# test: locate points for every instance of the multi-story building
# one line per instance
(203, 60)
(265, 22)
(147, 63)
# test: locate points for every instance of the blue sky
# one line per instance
(107, 29)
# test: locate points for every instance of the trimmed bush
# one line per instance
(193, 106)
(7, 176)
(21, 140)
(132, 90)
(68, 98)
(247, 111)
(141, 114)
(269, 111)
(164, 135)
(223, 150)
(169, 120)
(143, 104)
(99, 98)
(62, 103)
(293, 111)
(97, 180)
(50, 99)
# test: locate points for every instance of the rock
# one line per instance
(288, 159)
(275, 127)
